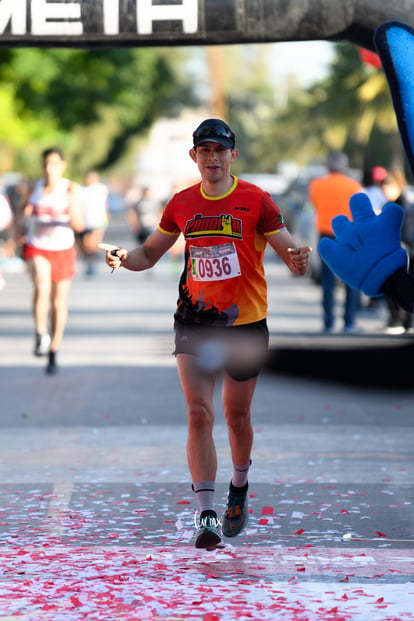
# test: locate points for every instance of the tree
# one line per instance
(351, 109)
(69, 95)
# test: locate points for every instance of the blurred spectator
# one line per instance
(407, 237)
(393, 184)
(95, 218)
(330, 196)
(371, 182)
(143, 215)
(6, 232)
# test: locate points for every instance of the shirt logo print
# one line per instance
(205, 226)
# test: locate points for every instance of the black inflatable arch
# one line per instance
(116, 23)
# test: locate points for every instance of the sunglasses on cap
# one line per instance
(213, 130)
(216, 132)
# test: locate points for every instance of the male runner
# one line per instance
(220, 320)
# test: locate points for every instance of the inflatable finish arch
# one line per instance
(116, 23)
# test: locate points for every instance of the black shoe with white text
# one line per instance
(208, 534)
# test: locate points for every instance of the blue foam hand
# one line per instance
(395, 45)
(366, 250)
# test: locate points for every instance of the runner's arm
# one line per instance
(297, 259)
(75, 207)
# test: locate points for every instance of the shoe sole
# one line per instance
(208, 540)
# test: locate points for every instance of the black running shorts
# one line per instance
(241, 351)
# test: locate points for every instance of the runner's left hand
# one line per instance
(299, 259)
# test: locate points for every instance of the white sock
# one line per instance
(240, 474)
(205, 491)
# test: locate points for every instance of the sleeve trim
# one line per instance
(275, 232)
(169, 233)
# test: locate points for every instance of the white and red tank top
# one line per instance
(49, 225)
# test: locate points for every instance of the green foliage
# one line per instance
(97, 104)
(350, 109)
(64, 95)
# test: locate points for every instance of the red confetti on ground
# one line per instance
(52, 582)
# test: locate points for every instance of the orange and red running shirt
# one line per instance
(223, 282)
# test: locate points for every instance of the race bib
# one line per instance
(214, 262)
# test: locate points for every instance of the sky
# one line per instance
(309, 60)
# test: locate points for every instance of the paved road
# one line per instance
(96, 512)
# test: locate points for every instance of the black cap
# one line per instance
(214, 130)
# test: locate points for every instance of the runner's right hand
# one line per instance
(114, 258)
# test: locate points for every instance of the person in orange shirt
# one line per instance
(330, 196)
(220, 319)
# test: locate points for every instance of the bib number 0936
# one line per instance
(210, 264)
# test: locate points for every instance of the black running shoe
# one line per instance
(208, 531)
(52, 367)
(236, 515)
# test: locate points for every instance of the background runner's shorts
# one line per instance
(240, 351)
(63, 262)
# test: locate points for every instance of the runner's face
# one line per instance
(54, 167)
(213, 160)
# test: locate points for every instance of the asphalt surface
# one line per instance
(96, 508)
